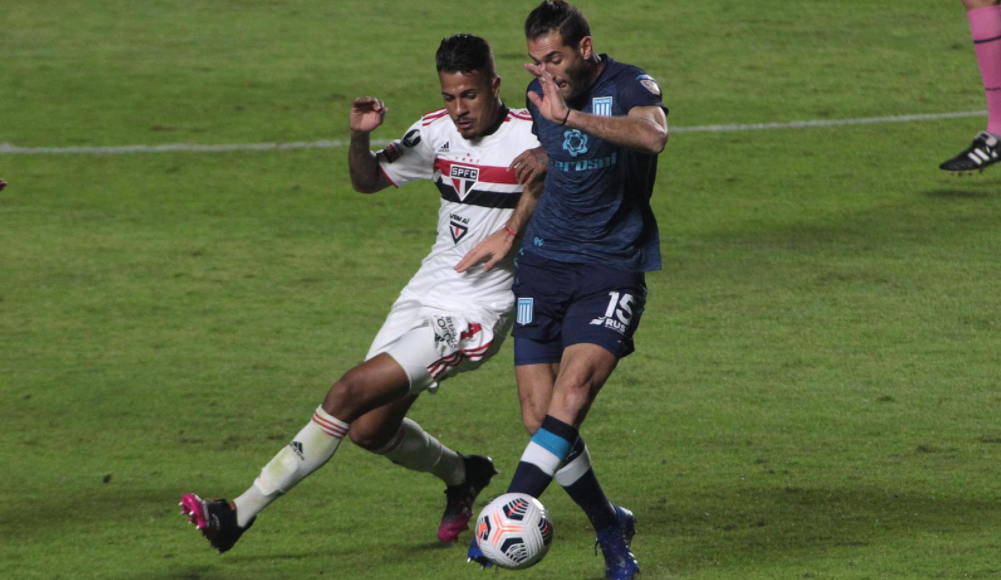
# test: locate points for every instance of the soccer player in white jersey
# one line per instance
(444, 322)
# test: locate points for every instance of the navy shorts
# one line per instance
(560, 304)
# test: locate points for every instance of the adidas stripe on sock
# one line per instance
(313, 446)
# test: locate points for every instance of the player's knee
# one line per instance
(532, 422)
(532, 416)
(344, 396)
(369, 437)
(534, 407)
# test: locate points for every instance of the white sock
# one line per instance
(569, 473)
(417, 450)
(310, 449)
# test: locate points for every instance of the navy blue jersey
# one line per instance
(596, 205)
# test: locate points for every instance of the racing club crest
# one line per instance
(602, 106)
(526, 310)
(463, 179)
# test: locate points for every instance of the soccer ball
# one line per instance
(514, 531)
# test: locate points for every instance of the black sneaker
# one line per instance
(216, 518)
(984, 152)
(458, 510)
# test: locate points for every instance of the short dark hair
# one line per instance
(559, 16)
(465, 53)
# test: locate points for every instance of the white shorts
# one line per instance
(432, 344)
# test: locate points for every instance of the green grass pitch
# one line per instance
(815, 392)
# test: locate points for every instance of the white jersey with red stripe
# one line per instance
(445, 322)
(478, 195)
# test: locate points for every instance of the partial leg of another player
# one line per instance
(555, 399)
(583, 371)
(985, 26)
(375, 382)
(374, 395)
(386, 431)
(576, 476)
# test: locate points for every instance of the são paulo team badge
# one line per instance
(463, 178)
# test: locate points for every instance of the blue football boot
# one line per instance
(476, 555)
(615, 542)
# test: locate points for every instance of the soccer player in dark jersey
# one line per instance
(579, 283)
(985, 25)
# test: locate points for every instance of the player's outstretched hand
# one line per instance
(551, 103)
(531, 165)
(367, 114)
(488, 252)
(3, 184)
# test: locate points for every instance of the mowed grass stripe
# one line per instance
(330, 144)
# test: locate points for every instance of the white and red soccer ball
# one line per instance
(514, 531)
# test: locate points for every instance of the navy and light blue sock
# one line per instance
(557, 450)
(581, 484)
(547, 450)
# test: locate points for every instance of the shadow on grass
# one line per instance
(785, 524)
(717, 528)
(189, 572)
(982, 192)
(462, 543)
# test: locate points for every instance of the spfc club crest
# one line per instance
(463, 179)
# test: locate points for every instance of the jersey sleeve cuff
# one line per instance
(391, 180)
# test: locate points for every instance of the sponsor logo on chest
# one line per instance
(458, 226)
